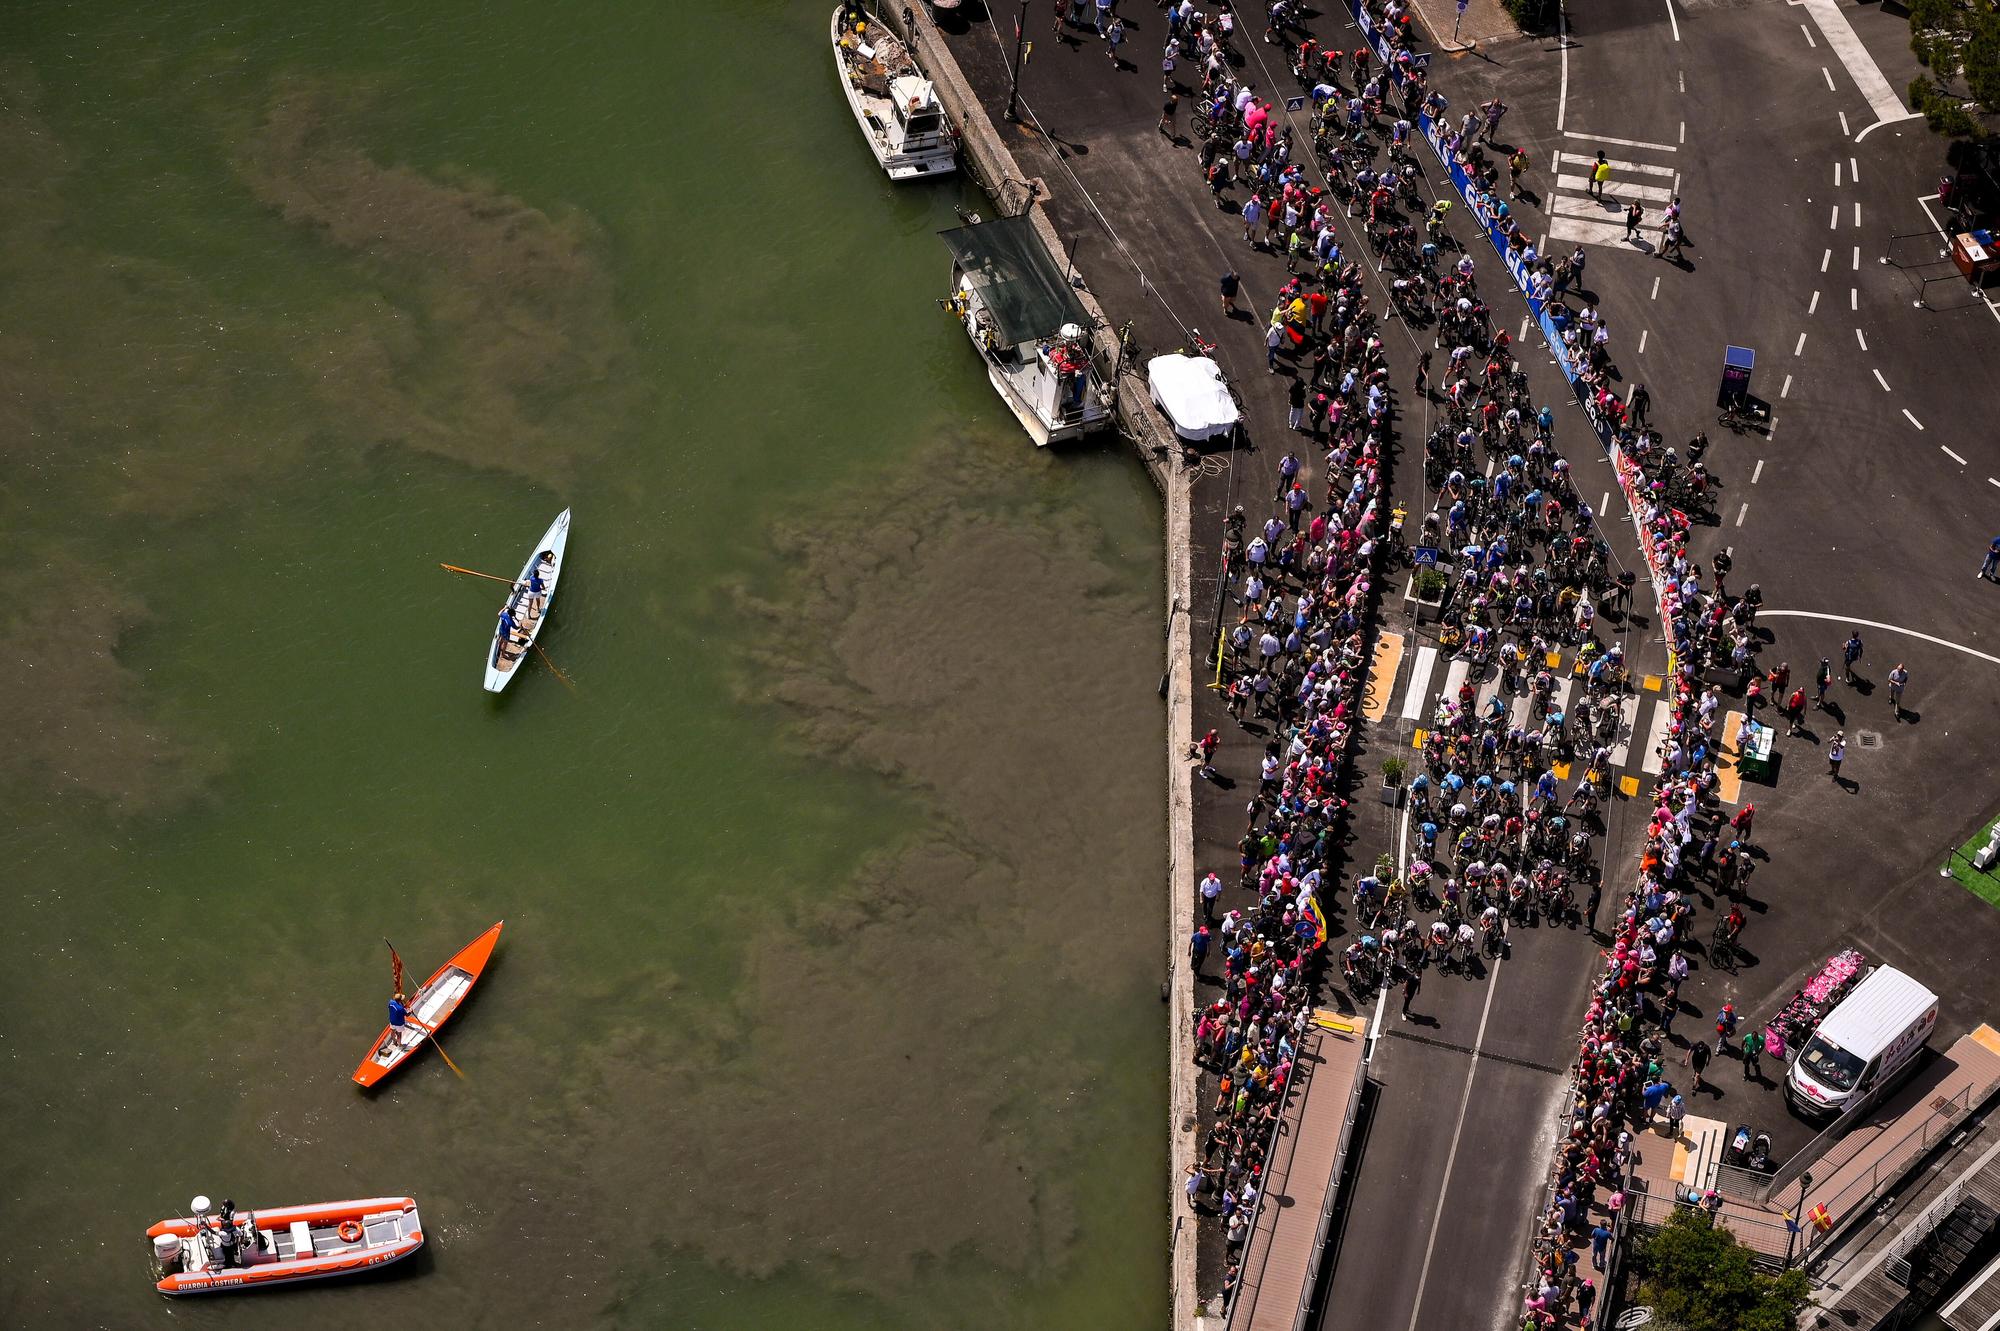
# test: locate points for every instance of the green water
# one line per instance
(828, 995)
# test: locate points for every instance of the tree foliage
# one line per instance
(1954, 39)
(1695, 1274)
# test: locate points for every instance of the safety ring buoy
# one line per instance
(350, 1231)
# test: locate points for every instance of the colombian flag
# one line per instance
(1318, 918)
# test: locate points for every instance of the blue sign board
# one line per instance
(1426, 555)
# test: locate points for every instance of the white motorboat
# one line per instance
(527, 606)
(1023, 315)
(895, 105)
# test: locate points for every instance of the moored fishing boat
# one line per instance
(527, 606)
(225, 1252)
(895, 105)
(429, 1008)
(1024, 317)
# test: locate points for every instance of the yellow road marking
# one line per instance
(1653, 683)
(1381, 684)
(1555, 659)
(1728, 781)
(1628, 786)
(1987, 1036)
(1329, 1021)
(1417, 740)
(1561, 770)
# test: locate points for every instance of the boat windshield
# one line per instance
(1829, 1064)
(923, 123)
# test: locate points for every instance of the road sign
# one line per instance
(1462, 4)
(1421, 60)
(1295, 103)
(1426, 555)
(1737, 363)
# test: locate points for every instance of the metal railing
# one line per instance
(1908, 1148)
(1296, 1091)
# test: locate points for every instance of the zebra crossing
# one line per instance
(1415, 680)
(1574, 215)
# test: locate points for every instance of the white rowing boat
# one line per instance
(527, 606)
(895, 105)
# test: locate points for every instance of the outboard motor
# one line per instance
(167, 1252)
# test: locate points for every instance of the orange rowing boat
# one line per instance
(214, 1254)
(429, 1008)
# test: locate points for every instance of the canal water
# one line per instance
(828, 995)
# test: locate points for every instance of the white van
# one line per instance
(1868, 1038)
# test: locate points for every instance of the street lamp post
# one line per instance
(1014, 77)
(1798, 1218)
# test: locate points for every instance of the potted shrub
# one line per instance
(1392, 780)
(1427, 588)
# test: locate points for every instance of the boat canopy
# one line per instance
(1195, 396)
(1016, 277)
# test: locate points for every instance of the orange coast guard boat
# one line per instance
(217, 1254)
(429, 1008)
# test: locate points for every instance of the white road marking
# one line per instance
(1809, 37)
(1812, 306)
(1560, 702)
(1671, 19)
(1628, 708)
(1862, 340)
(1825, 259)
(1642, 341)
(1836, 217)
(1491, 463)
(1801, 346)
(1828, 74)
(1953, 456)
(1836, 175)
(1684, 131)
(1522, 336)
(1451, 1156)
(1619, 163)
(1680, 76)
(1861, 67)
(1622, 143)
(1562, 44)
(1771, 430)
(1420, 675)
(1913, 420)
(1656, 288)
(1857, 212)
(1854, 298)
(1857, 258)
(1454, 678)
(1878, 624)
(1993, 481)
(1854, 170)
(1843, 124)
(1624, 191)
(1754, 475)
(1786, 391)
(1656, 731)
(1742, 513)
(1884, 382)
(1593, 233)
(1604, 504)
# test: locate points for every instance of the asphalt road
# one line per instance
(1846, 509)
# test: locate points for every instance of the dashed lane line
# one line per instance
(1809, 37)
(1912, 419)
(1758, 472)
(1801, 346)
(1742, 513)
(1953, 456)
(1812, 306)
(1862, 340)
(1786, 391)
(1880, 380)
(1828, 75)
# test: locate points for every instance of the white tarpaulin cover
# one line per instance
(1191, 390)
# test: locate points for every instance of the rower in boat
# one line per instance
(401, 1021)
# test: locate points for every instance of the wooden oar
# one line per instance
(552, 667)
(435, 1045)
(473, 572)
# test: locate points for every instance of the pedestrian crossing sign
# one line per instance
(1424, 556)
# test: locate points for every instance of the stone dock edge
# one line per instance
(993, 166)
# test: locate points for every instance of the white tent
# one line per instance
(1195, 396)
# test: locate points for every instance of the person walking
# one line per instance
(1198, 948)
(1990, 568)
(1211, 892)
(1295, 400)
(1517, 166)
(1423, 381)
(1752, 1070)
(1231, 284)
(1113, 36)
(1697, 1057)
(1642, 402)
(1836, 750)
(1590, 907)
(1898, 677)
(1634, 214)
(1850, 652)
(1253, 213)
(1822, 682)
(1274, 336)
(1600, 175)
(1412, 981)
(1600, 1243)
(1795, 711)
(1167, 114)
